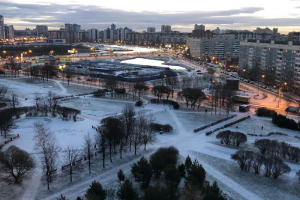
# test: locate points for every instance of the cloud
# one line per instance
(55, 15)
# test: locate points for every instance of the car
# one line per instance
(58, 76)
(79, 78)
(251, 82)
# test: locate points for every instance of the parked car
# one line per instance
(292, 109)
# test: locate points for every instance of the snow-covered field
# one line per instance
(214, 157)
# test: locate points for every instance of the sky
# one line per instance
(140, 14)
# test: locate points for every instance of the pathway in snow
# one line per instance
(33, 185)
(229, 182)
(185, 145)
(208, 168)
(64, 90)
(80, 188)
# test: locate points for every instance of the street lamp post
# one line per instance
(280, 93)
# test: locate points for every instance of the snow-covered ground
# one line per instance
(214, 157)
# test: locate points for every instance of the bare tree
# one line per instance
(14, 100)
(173, 84)
(38, 99)
(113, 130)
(139, 130)
(69, 74)
(3, 91)
(128, 119)
(52, 102)
(190, 96)
(70, 156)
(186, 82)
(111, 84)
(102, 143)
(16, 163)
(88, 149)
(46, 145)
(148, 134)
(6, 121)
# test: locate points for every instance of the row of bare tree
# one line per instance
(114, 135)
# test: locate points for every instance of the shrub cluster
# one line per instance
(165, 101)
(213, 123)
(284, 122)
(235, 122)
(269, 134)
(227, 125)
(265, 112)
(276, 133)
(276, 148)
(100, 93)
(139, 103)
(161, 127)
(273, 166)
(228, 137)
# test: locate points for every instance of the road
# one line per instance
(270, 102)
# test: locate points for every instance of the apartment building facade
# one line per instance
(213, 48)
(279, 62)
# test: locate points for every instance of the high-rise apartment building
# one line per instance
(76, 27)
(11, 32)
(213, 48)
(217, 31)
(41, 30)
(2, 31)
(1, 20)
(151, 30)
(94, 35)
(72, 27)
(165, 28)
(279, 63)
(199, 27)
(6, 31)
(263, 30)
(112, 33)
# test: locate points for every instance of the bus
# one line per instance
(240, 98)
(93, 55)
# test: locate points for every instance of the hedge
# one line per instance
(161, 127)
(265, 112)
(284, 122)
(165, 101)
(213, 123)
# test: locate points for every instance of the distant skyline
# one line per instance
(138, 15)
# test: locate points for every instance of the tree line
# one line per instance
(228, 137)
(273, 166)
(276, 148)
(163, 165)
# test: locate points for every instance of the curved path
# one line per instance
(182, 142)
